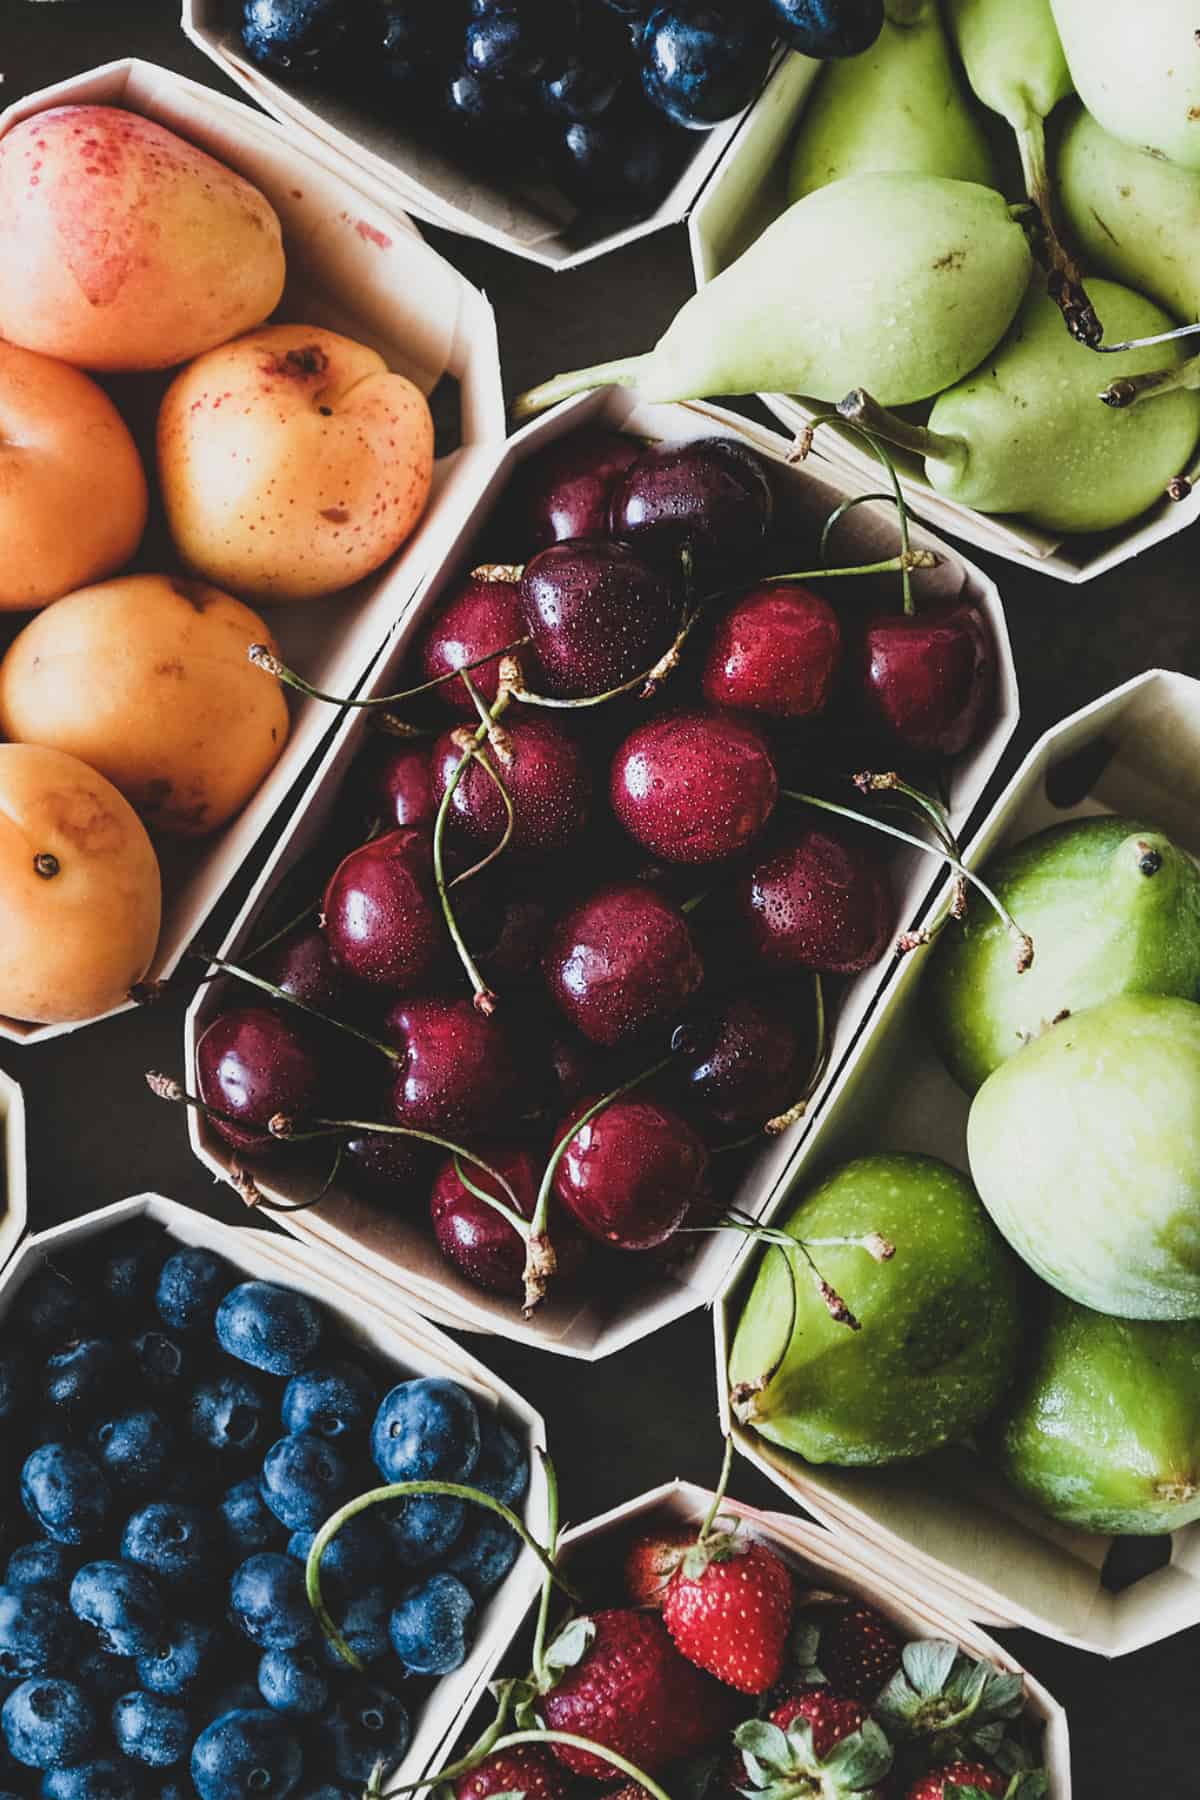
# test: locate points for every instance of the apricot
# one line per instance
(147, 679)
(80, 891)
(292, 462)
(72, 486)
(122, 246)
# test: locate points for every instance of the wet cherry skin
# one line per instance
(695, 786)
(622, 964)
(252, 1063)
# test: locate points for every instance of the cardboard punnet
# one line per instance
(536, 221)
(14, 1202)
(946, 1516)
(832, 1560)
(746, 193)
(395, 1241)
(355, 265)
(370, 1315)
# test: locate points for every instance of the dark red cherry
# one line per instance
(622, 964)
(712, 497)
(301, 964)
(565, 490)
(458, 1073)
(547, 781)
(477, 1239)
(511, 937)
(629, 1177)
(693, 787)
(745, 1060)
(382, 920)
(926, 681)
(480, 616)
(252, 1063)
(384, 1164)
(597, 614)
(395, 785)
(776, 652)
(816, 901)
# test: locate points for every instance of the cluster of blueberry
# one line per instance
(156, 1640)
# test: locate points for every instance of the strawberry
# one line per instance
(525, 1769)
(832, 1716)
(816, 1743)
(652, 1560)
(729, 1609)
(859, 1652)
(632, 1691)
(937, 1784)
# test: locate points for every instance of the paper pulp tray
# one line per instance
(1136, 751)
(836, 1559)
(372, 1316)
(395, 1241)
(356, 266)
(746, 193)
(14, 1205)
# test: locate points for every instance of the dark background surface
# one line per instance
(95, 1133)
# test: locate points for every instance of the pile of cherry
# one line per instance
(575, 938)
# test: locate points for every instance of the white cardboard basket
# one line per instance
(956, 1524)
(371, 1314)
(836, 1558)
(411, 170)
(395, 1241)
(355, 265)
(747, 191)
(14, 1201)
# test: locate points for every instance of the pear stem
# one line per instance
(1129, 390)
(624, 372)
(1064, 281)
(859, 408)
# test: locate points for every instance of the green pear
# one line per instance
(1025, 432)
(1103, 1433)
(898, 282)
(899, 106)
(1112, 906)
(1085, 1148)
(1137, 71)
(940, 1321)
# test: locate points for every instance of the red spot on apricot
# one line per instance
(372, 234)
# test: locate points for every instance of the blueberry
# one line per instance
(41, 1564)
(291, 1681)
(272, 1328)
(228, 1414)
(503, 1467)
(406, 38)
(239, 1696)
(16, 1381)
(108, 1778)
(432, 1625)
(159, 1359)
(174, 1541)
(130, 1270)
(704, 60)
(48, 1724)
(622, 162)
(484, 1554)
(181, 1789)
(133, 1448)
(175, 1665)
(104, 1676)
(36, 1632)
(122, 1605)
(297, 37)
(304, 1479)
(248, 1521)
(189, 1287)
(363, 1624)
(51, 1308)
(77, 1377)
(354, 1557)
(492, 116)
(268, 1601)
(366, 1724)
(334, 1400)
(825, 28)
(516, 40)
(588, 82)
(149, 1728)
(246, 1754)
(424, 1527)
(426, 1430)
(65, 1493)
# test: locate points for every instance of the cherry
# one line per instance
(395, 784)
(477, 1239)
(382, 921)
(511, 935)
(547, 781)
(776, 652)
(597, 614)
(300, 963)
(630, 1175)
(694, 787)
(712, 497)
(622, 964)
(926, 680)
(816, 901)
(380, 1162)
(458, 1072)
(252, 1063)
(479, 617)
(564, 491)
(743, 1061)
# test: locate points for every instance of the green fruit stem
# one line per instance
(1064, 280)
(485, 999)
(647, 681)
(710, 1517)
(304, 1006)
(625, 372)
(541, 1736)
(859, 408)
(909, 558)
(1130, 390)
(263, 657)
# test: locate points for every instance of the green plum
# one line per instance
(899, 282)
(1112, 906)
(940, 1321)
(1136, 70)
(1025, 432)
(1103, 1432)
(1085, 1148)
(899, 105)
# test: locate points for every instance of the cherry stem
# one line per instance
(860, 408)
(281, 1127)
(485, 999)
(876, 445)
(648, 680)
(710, 1517)
(541, 1736)
(304, 1006)
(497, 850)
(263, 657)
(497, 736)
(876, 1246)
(1064, 281)
(868, 782)
(839, 513)
(517, 1220)
(781, 1122)
(543, 1618)
(1023, 941)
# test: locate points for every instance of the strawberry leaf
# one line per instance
(766, 1743)
(571, 1645)
(861, 1760)
(1030, 1784)
(802, 1654)
(927, 1664)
